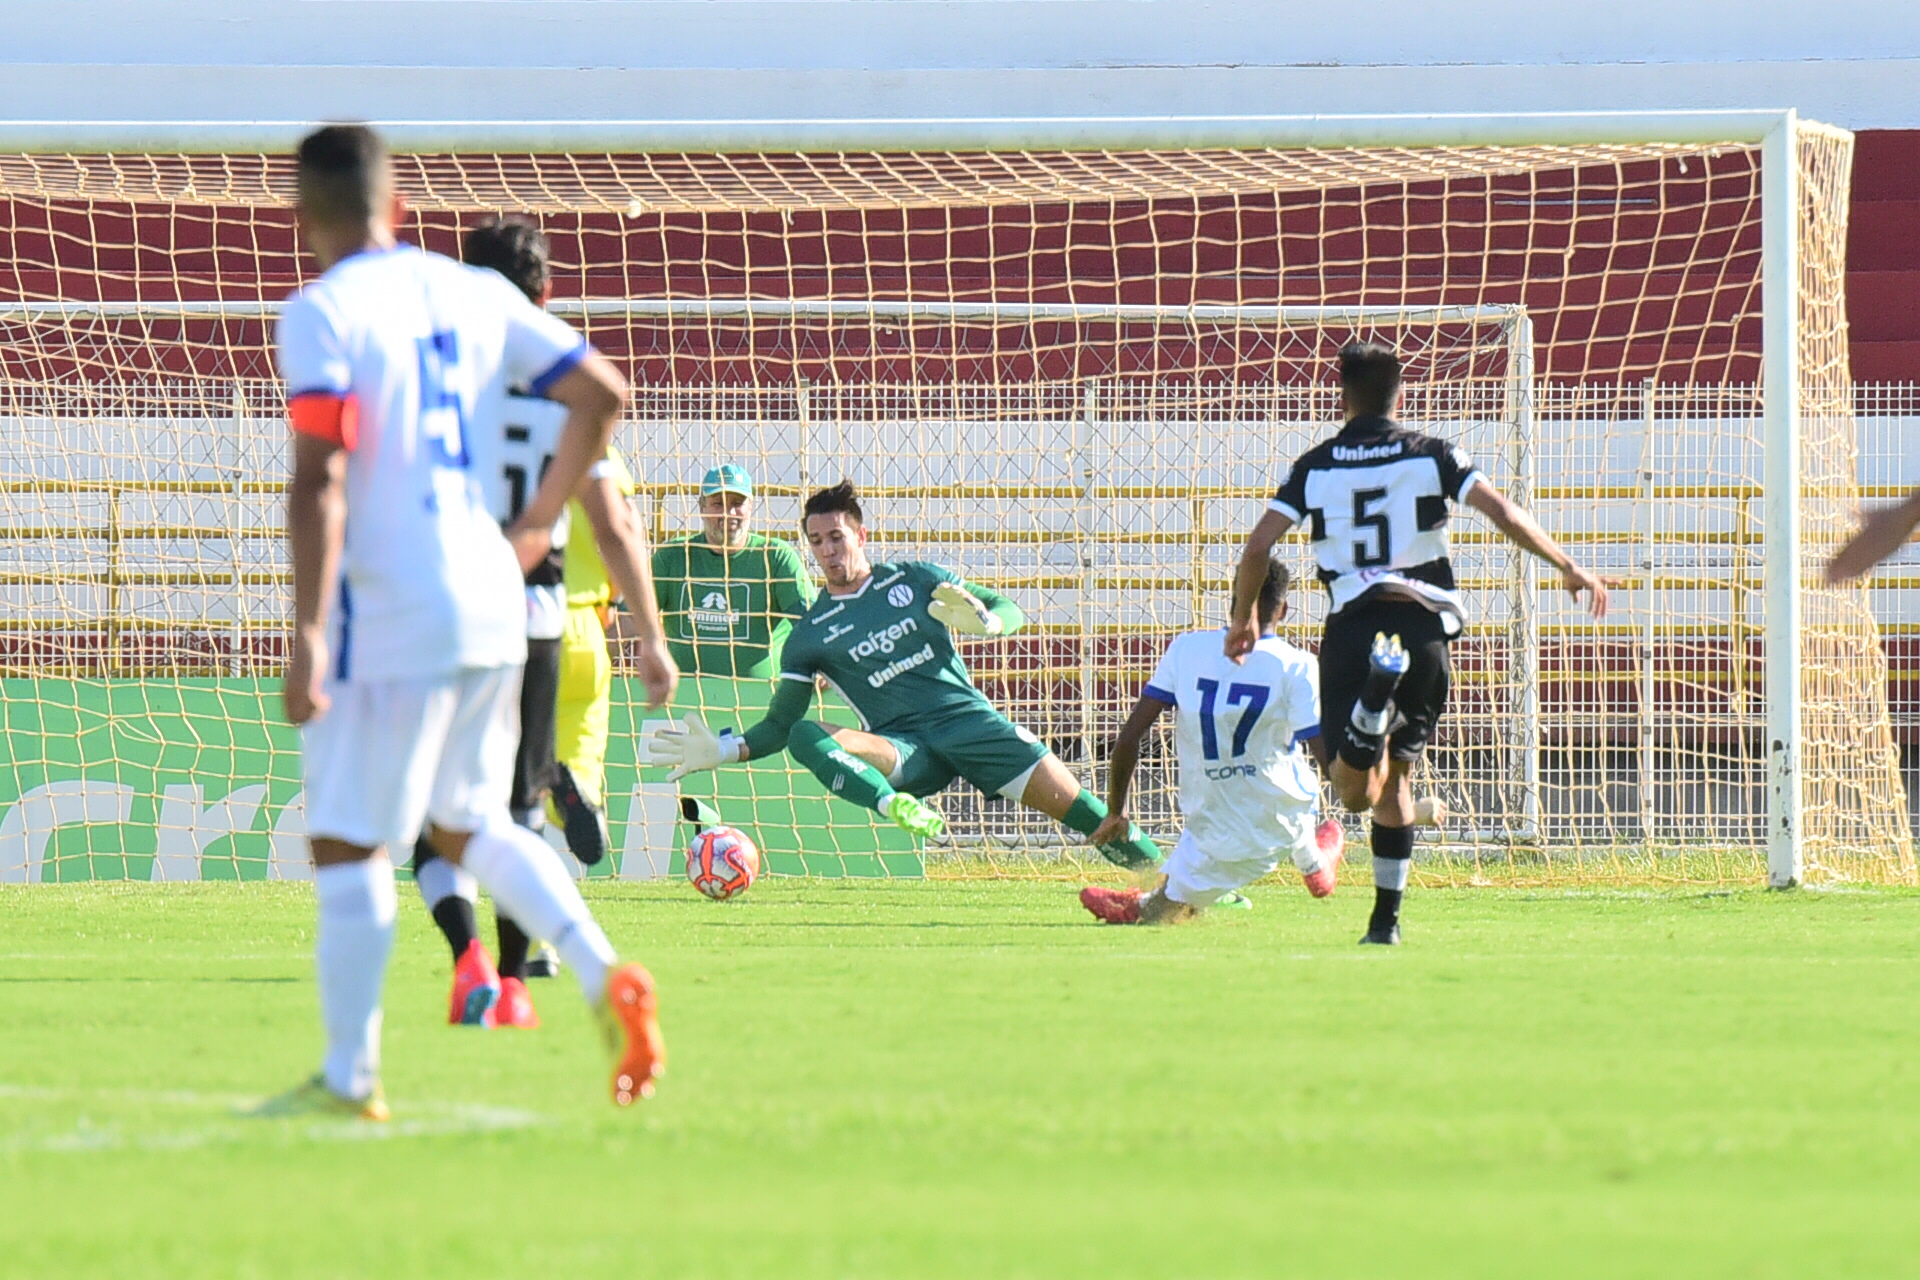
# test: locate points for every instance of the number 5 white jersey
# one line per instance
(1247, 787)
(1376, 499)
(414, 351)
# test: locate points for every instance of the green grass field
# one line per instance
(972, 1079)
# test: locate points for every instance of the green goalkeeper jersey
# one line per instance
(727, 613)
(893, 663)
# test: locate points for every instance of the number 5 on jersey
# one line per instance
(1253, 695)
(443, 416)
(1369, 521)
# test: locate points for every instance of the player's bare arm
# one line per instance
(316, 528)
(1881, 533)
(623, 549)
(1243, 632)
(594, 393)
(1525, 532)
(1121, 765)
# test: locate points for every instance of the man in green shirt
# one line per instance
(728, 597)
(883, 635)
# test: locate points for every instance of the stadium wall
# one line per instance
(1855, 64)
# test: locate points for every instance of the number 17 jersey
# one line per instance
(1246, 785)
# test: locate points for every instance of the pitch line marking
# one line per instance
(414, 1120)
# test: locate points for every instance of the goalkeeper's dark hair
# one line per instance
(1273, 591)
(841, 499)
(515, 248)
(343, 173)
(1369, 374)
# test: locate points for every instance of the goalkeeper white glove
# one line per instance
(693, 747)
(962, 611)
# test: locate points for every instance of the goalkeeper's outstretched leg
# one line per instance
(891, 774)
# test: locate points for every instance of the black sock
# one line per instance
(1376, 691)
(1366, 728)
(1360, 749)
(513, 948)
(454, 915)
(1392, 855)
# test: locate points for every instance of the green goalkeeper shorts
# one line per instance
(984, 747)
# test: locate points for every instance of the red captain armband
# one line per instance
(325, 416)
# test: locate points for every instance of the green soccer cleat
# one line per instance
(699, 813)
(914, 817)
(1135, 853)
(1235, 902)
(313, 1098)
(544, 962)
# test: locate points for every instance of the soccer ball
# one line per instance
(722, 862)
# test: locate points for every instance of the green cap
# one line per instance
(727, 478)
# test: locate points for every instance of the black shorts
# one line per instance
(533, 764)
(1422, 693)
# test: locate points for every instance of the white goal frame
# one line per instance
(1773, 132)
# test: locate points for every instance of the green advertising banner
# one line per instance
(199, 779)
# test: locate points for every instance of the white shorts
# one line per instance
(390, 754)
(1199, 880)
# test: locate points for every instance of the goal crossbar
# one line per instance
(828, 309)
(1052, 133)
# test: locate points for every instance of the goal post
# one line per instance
(1068, 356)
(1780, 373)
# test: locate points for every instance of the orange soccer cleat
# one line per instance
(1114, 906)
(476, 989)
(629, 1019)
(1332, 843)
(516, 1006)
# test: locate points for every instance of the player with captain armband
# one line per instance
(1248, 791)
(410, 621)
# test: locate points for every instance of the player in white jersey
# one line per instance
(409, 619)
(1377, 498)
(1249, 795)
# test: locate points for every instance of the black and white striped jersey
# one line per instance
(1375, 499)
(514, 454)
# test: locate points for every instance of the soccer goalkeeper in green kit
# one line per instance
(883, 636)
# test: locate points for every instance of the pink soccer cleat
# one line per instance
(476, 989)
(1113, 906)
(516, 1006)
(1332, 843)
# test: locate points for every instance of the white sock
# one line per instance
(357, 908)
(1308, 855)
(1392, 873)
(527, 880)
(439, 880)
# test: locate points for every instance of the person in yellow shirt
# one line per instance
(586, 683)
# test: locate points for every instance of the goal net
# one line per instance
(1071, 375)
